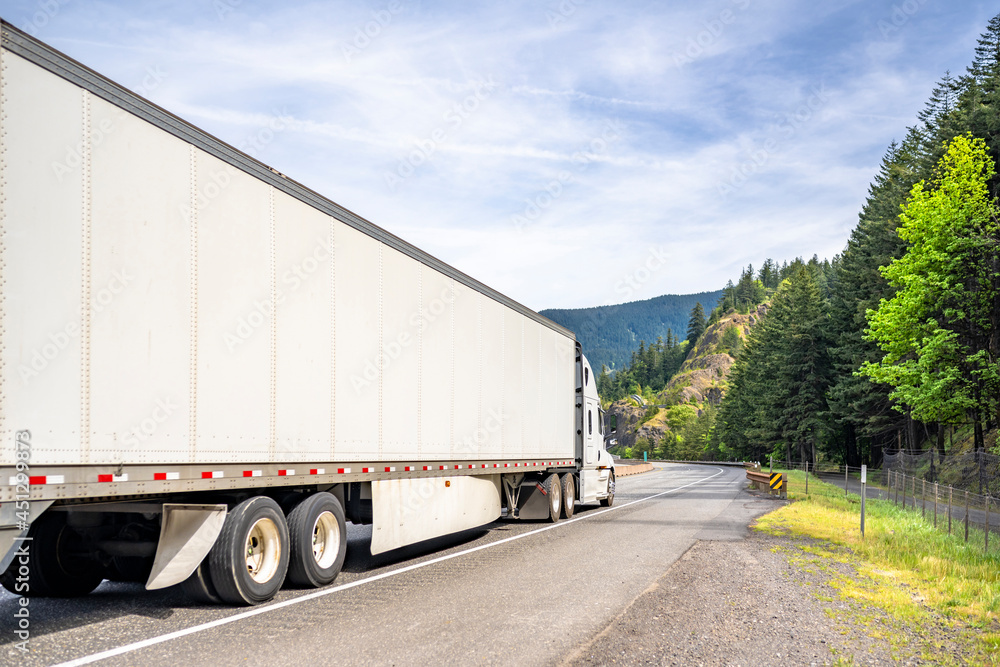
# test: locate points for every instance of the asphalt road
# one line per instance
(511, 592)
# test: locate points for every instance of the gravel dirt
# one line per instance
(757, 601)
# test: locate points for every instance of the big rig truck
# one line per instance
(208, 368)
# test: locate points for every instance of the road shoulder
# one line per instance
(738, 597)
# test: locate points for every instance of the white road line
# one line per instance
(146, 643)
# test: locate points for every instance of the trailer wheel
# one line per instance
(317, 533)
(610, 500)
(568, 495)
(199, 587)
(553, 491)
(57, 565)
(250, 557)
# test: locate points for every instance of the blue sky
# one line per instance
(567, 153)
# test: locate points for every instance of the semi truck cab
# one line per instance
(597, 476)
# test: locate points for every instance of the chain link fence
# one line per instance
(947, 506)
(942, 489)
(976, 472)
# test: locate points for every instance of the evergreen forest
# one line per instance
(895, 342)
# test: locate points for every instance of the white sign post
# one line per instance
(864, 481)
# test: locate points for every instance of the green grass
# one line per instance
(905, 567)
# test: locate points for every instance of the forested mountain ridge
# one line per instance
(609, 334)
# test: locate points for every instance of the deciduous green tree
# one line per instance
(939, 331)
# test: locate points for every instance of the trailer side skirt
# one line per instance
(407, 511)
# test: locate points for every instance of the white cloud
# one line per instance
(695, 91)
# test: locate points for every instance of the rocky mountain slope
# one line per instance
(700, 382)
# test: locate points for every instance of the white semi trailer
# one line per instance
(208, 368)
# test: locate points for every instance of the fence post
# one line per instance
(904, 491)
(986, 546)
(913, 492)
(923, 499)
(979, 457)
(864, 481)
(846, 467)
(807, 477)
(935, 503)
(950, 491)
(967, 516)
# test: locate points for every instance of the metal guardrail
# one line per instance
(775, 483)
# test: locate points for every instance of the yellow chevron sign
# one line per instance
(776, 480)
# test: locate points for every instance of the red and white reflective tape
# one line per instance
(37, 479)
(219, 474)
(47, 479)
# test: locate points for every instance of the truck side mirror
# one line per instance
(612, 424)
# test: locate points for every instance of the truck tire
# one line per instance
(57, 565)
(610, 500)
(568, 495)
(250, 557)
(317, 534)
(199, 587)
(553, 491)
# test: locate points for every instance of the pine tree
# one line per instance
(768, 275)
(749, 418)
(978, 108)
(804, 369)
(860, 406)
(696, 325)
(940, 122)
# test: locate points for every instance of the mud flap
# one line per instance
(187, 533)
